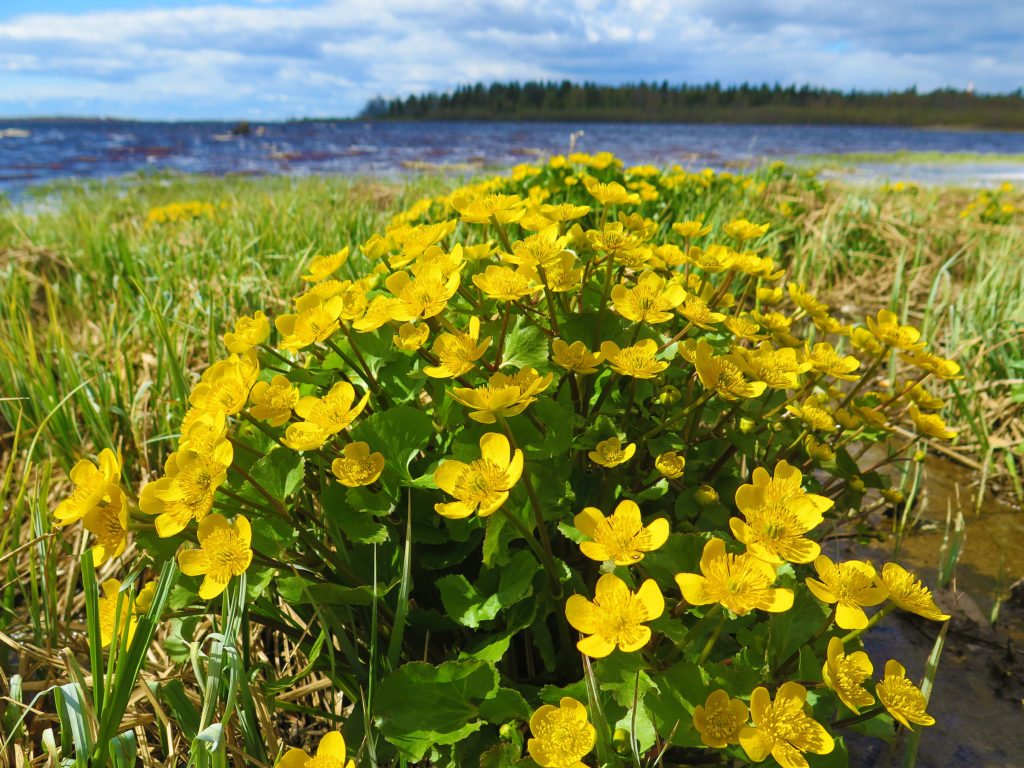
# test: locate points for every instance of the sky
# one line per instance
(280, 59)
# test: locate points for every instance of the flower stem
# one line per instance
(856, 719)
(711, 640)
(871, 622)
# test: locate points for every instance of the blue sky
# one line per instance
(275, 59)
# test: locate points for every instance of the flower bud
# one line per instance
(669, 395)
(856, 484)
(621, 741)
(706, 495)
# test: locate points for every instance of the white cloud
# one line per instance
(273, 57)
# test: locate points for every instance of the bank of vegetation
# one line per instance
(705, 103)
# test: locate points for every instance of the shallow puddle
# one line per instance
(979, 687)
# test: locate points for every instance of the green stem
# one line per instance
(871, 622)
(864, 378)
(861, 718)
(609, 271)
(681, 415)
(501, 337)
(711, 641)
(692, 633)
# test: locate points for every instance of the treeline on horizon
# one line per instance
(708, 103)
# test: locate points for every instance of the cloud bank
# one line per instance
(273, 60)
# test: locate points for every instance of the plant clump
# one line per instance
(549, 457)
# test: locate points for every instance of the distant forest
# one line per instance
(709, 103)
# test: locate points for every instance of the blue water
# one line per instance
(59, 149)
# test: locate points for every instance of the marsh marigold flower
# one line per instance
(575, 357)
(93, 484)
(778, 513)
(502, 208)
(506, 284)
(850, 585)
(692, 228)
(846, 673)
(615, 617)
(903, 700)
(186, 491)
(272, 401)
(637, 361)
(502, 396)
(611, 452)
(322, 267)
(782, 729)
(907, 591)
(411, 337)
(741, 229)
(315, 320)
(670, 464)
(824, 359)
(330, 753)
(422, 296)
(719, 719)
(224, 551)
(226, 384)
(481, 486)
(622, 536)
(108, 522)
(305, 436)
(115, 612)
(457, 353)
(561, 735)
(249, 332)
(651, 300)
(721, 374)
(887, 329)
(357, 466)
(931, 424)
(334, 411)
(933, 364)
(740, 583)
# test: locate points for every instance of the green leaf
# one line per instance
(525, 346)
(298, 590)
(270, 535)
(507, 704)
(399, 433)
(465, 603)
(496, 588)
(501, 756)
(678, 691)
(423, 705)
(646, 734)
(792, 629)
(356, 522)
(279, 473)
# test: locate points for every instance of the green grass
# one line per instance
(905, 157)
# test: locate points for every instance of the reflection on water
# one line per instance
(34, 151)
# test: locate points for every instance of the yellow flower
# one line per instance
(824, 359)
(889, 332)
(411, 337)
(457, 353)
(691, 229)
(845, 674)
(922, 397)
(851, 585)
(93, 484)
(305, 436)
(814, 414)
(865, 341)
(649, 301)
(817, 450)
(667, 256)
(909, 593)
(505, 283)
(637, 361)
(108, 522)
(273, 401)
(224, 551)
(722, 375)
(562, 735)
(330, 753)
(740, 583)
(202, 430)
(502, 208)
(226, 384)
(333, 412)
(622, 537)
(315, 320)
(575, 357)
(541, 249)
(670, 465)
(615, 617)
(611, 453)
(323, 267)
(778, 368)
(717, 258)
(359, 466)
(933, 364)
(502, 396)
(782, 729)
(611, 193)
(742, 229)
(743, 327)
(806, 300)
(483, 485)
(249, 332)
(560, 276)
(112, 615)
(186, 491)
(778, 513)
(696, 310)
(720, 719)
(778, 325)
(424, 296)
(564, 211)
(766, 295)
(931, 424)
(902, 698)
